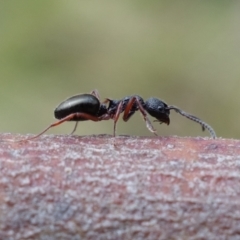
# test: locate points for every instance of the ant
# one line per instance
(88, 107)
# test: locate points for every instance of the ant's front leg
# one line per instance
(129, 110)
(116, 116)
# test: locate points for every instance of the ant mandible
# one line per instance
(88, 107)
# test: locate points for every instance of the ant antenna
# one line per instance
(195, 119)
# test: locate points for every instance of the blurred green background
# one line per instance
(186, 53)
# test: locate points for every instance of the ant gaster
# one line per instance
(88, 107)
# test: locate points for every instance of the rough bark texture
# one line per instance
(99, 187)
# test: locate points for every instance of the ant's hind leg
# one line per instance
(67, 118)
(95, 93)
(74, 129)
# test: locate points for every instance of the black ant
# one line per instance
(88, 107)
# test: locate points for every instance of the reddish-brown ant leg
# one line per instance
(116, 117)
(142, 111)
(68, 118)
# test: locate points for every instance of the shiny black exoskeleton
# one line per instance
(83, 103)
(88, 107)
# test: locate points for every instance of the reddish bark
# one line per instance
(99, 187)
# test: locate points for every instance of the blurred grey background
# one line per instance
(186, 53)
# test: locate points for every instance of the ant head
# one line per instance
(158, 109)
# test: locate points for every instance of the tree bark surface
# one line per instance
(100, 187)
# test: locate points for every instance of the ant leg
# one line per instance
(116, 117)
(104, 117)
(95, 93)
(129, 107)
(67, 118)
(74, 129)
